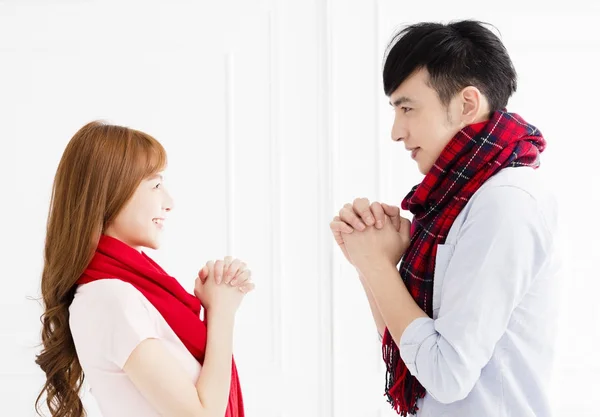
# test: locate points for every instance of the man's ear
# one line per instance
(472, 103)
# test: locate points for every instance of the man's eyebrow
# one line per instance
(400, 100)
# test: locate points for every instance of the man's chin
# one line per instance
(424, 169)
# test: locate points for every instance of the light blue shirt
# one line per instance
(488, 351)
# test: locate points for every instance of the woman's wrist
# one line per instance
(223, 315)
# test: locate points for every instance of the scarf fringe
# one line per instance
(402, 389)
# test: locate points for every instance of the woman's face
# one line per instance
(140, 222)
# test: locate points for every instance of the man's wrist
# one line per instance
(375, 269)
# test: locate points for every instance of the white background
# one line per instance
(273, 116)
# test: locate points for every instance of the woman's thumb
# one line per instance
(203, 274)
(198, 287)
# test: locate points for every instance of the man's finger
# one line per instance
(338, 238)
(338, 226)
(362, 207)
(348, 216)
(378, 213)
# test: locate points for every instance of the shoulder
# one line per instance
(519, 195)
(112, 315)
(515, 203)
(523, 193)
(529, 181)
(106, 296)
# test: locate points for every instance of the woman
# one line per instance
(111, 312)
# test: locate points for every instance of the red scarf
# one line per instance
(474, 155)
(116, 260)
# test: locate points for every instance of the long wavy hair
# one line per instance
(98, 173)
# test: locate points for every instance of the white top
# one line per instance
(488, 350)
(108, 319)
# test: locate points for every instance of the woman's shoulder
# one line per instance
(108, 300)
(108, 318)
(109, 291)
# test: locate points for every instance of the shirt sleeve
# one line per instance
(128, 322)
(500, 248)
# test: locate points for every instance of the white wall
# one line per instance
(273, 116)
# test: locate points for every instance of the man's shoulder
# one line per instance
(529, 180)
(521, 194)
(529, 186)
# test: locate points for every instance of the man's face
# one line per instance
(422, 122)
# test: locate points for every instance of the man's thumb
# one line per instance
(391, 211)
(405, 225)
(394, 214)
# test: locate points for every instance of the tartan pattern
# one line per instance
(475, 154)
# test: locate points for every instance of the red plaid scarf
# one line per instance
(116, 260)
(474, 155)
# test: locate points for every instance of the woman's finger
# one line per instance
(247, 287)
(232, 270)
(241, 278)
(218, 271)
(226, 265)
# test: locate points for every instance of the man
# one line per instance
(468, 319)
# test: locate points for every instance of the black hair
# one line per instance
(456, 55)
